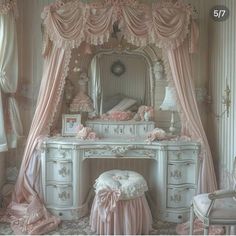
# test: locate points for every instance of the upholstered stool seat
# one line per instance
(213, 209)
(223, 208)
(120, 205)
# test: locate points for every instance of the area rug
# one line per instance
(81, 227)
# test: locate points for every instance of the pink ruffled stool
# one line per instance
(120, 206)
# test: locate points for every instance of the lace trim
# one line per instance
(53, 33)
(8, 5)
(149, 37)
(51, 8)
(176, 42)
(60, 89)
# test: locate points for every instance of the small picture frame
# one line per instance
(70, 123)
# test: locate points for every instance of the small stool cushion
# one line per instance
(131, 184)
(120, 206)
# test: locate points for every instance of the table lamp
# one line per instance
(169, 104)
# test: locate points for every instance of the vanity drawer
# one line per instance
(60, 195)
(58, 153)
(180, 196)
(119, 151)
(182, 154)
(181, 173)
(111, 129)
(59, 170)
(176, 217)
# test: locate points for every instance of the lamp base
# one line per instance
(172, 129)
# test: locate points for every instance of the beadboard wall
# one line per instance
(29, 27)
(222, 71)
(132, 83)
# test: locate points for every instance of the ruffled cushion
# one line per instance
(130, 184)
(222, 209)
(132, 217)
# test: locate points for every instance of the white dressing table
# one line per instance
(66, 173)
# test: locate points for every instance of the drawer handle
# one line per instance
(60, 214)
(179, 217)
(60, 185)
(180, 163)
(61, 162)
(63, 196)
(106, 129)
(178, 154)
(176, 174)
(175, 198)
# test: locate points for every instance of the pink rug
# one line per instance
(183, 229)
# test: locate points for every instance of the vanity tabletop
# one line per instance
(119, 141)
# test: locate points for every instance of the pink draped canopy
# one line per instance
(165, 24)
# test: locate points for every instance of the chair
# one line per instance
(216, 208)
(120, 206)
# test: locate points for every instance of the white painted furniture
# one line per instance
(66, 173)
(216, 208)
(115, 129)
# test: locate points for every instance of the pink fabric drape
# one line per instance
(67, 25)
(27, 212)
(164, 24)
(129, 217)
(107, 200)
(179, 60)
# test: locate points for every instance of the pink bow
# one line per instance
(107, 199)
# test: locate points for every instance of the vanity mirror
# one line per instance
(125, 77)
(122, 86)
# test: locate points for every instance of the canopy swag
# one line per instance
(163, 23)
(7, 6)
(166, 24)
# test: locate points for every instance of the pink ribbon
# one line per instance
(107, 199)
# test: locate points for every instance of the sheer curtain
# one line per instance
(10, 123)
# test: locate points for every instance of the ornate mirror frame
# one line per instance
(148, 53)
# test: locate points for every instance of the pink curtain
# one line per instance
(129, 217)
(27, 213)
(179, 60)
(67, 25)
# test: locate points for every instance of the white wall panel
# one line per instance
(222, 68)
(132, 83)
